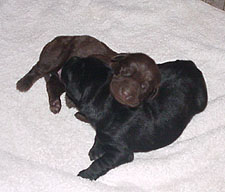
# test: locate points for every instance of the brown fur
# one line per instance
(57, 52)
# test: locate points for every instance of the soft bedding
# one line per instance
(43, 152)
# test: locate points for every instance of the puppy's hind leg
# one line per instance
(55, 88)
(26, 82)
(78, 115)
(81, 117)
(51, 59)
(69, 103)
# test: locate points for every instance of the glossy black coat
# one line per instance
(121, 130)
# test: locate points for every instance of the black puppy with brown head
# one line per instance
(122, 130)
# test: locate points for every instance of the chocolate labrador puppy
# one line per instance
(126, 89)
(122, 130)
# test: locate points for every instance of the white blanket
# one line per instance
(43, 152)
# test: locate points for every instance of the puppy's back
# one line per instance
(182, 94)
(197, 82)
(186, 75)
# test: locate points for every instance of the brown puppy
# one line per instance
(55, 54)
(136, 77)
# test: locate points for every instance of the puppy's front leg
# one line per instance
(109, 160)
(97, 150)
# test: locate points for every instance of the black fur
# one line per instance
(121, 130)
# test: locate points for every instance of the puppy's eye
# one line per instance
(144, 85)
(126, 72)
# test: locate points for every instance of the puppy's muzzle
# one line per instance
(125, 92)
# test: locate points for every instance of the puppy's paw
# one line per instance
(24, 84)
(87, 174)
(95, 153)
(81, 117)
(69, 102)
(55, 106)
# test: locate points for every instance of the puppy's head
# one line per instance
(82, 77)
(136, 77)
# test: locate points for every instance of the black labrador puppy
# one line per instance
(122, 130)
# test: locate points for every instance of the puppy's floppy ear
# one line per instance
(115, 62)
